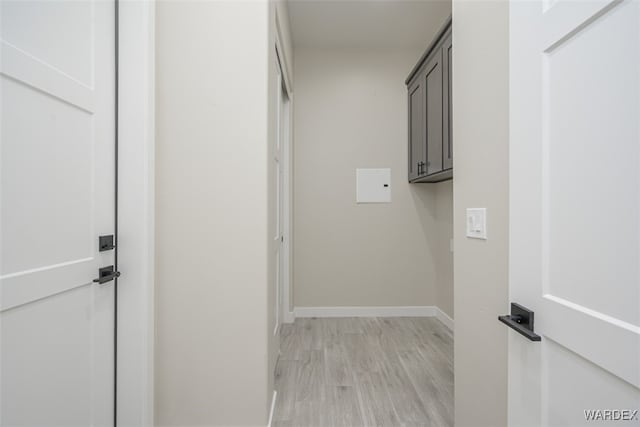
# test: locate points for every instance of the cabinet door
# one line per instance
(433, 111)
(447, 138)
(416, 130)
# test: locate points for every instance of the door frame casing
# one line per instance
(286, 310)
(136, 174)
(285, 314)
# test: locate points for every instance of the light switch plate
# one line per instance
(373, 185)
(477, 223)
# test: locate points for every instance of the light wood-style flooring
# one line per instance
(364, 372)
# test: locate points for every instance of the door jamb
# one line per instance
(136, 208)
(286, 309)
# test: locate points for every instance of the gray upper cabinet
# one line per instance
(433, 113)
(416, 130)
(447, 146)
(429, 103)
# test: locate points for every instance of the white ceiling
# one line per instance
(366, 23)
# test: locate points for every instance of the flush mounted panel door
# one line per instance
(575, 211)
(57, 196)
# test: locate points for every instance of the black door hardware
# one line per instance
(105, 243)
(106, 274)
(521, 321)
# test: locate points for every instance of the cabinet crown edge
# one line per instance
(439, 35)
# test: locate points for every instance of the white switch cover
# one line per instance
(373, 185)
(477, 223)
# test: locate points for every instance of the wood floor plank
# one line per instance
(434, 395)
(286, 383)
(349, 325)
(291, 346)
(311, 381)
(365, 372)
(337, 366)
(329, 328)
(377, 409)
(344, 407)
(404, 397)
(363, 353)
(312, 414)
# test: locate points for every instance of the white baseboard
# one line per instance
(288, 317)
(401, 311)
(397, 311)
(444, 319)
(273, 407)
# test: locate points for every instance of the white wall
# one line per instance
(442, 254)
(351, 112)
(480, 131)
(212, 340)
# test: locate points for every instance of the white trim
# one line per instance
(280, 194)
(287, 204)
(273, 407)
(399, 311)
(280, 54)
(289, 317)
(444, 318)
(392, 311)
(136, 213)
(287, 162)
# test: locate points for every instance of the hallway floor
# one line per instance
(365, 372)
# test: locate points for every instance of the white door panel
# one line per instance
(55, 141)
(65, 31)
(56, 365)
(57, 89)
(575, 208)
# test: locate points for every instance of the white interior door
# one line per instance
(57, 87)
(575, 211)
